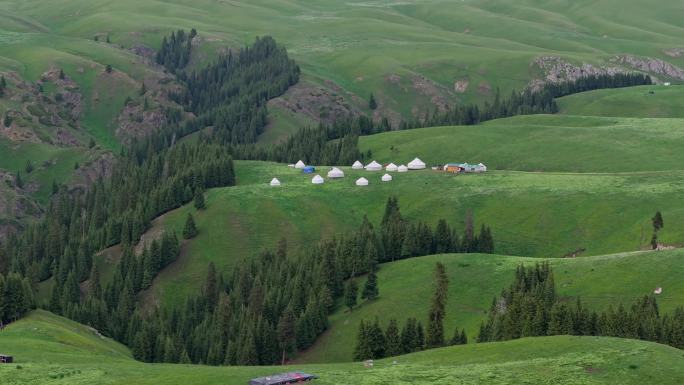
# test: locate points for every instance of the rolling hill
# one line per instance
(52, 350)
(645, 101)
(413, 55)
(474, 279)
(555, 143)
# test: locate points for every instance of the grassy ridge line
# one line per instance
(45, 356)
(533, 214)
(541, 143)
(663, 102)
(474, 280)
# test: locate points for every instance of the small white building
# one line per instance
(481, 168)
(373, 166)
(391, 167)
(317, 180)
(362, 182)
(335, 173)
(357, 165)
(386, 178)
(275, 182)
(402, 168)
(666, 84)
(300, 165)
(416, 164)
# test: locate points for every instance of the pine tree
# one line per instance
(362, 351)
(657, 221)
(392, 338)
(435, 334)
(370, 288)
(18, 181)
(351, 293)
(199, 200)
(109, 68)
(61, 74)
(143, 89)
(189, 231)
(3, 87)
(286, 334)
(29, 167)
(372, 104)
(95, 288)
(211, 289)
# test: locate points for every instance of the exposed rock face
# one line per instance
(461, 86)
(556, 70)
(39, 116)
(317, 103)
(674, 52)
(100, 167)
(439, 95)
(651, 65)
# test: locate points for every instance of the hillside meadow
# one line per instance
(52, 350)
(656, 101)
(531, 214)
(475, 279)
(412, 54)
(542, 143)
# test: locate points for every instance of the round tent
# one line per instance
(317, 180)
(335, 173)
(362, 182)
(386, 178)
(357, 165)
(391, 167)
(275, 182)
(402, 168)
(373, 166)
(300, 164)
(416, 164)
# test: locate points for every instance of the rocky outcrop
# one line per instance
(674, 52)
(651, 65)
(555, 69)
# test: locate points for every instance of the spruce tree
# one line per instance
(393, 339)
(199, 199)
(435, 333)
(189, 231)
(351, 293)
(657, 221)
(362, 350)
(370, 288)
(286, 334)
(372, 104)
(3, 86)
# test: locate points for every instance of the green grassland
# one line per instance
(646, 101)
(474, 279)
(52, 350)
(542, 143)
(531, 214)
(408, 53)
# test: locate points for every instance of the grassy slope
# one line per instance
(533, 214)
(475, 279)
(664, 102)
(52, 350)
(542, 143)
(359, 44)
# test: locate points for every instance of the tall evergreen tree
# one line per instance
(350, 294)
(199, 200)
(370, 288)
(435, 333)
(189, 230)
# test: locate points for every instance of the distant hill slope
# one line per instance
(532, 214)
(646, 102)
(542, 143)
(413, 55)
(475, 279)
(52, 350)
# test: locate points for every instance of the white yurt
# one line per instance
(275, 182)
(391, 167)
(402, 168)
(416, 164)
(386, 178)
(317, 180)
(335, 173)
(362, 182)
(357, 165)
(373, 166)
(300, 165)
